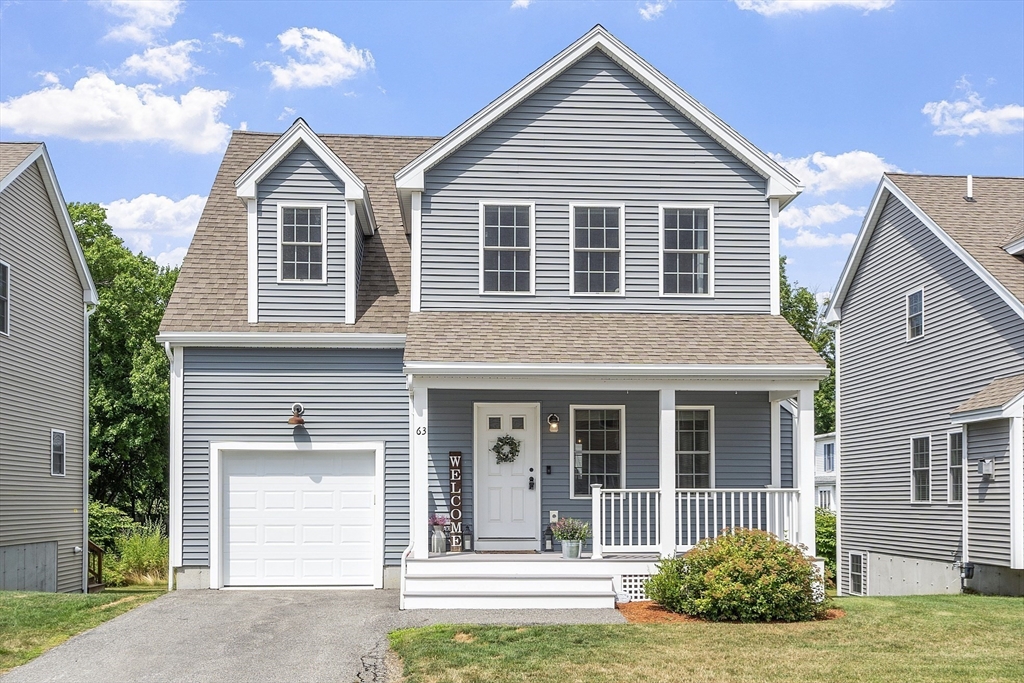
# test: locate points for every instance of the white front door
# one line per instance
(507, 511)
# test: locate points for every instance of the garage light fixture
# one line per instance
(296, 419)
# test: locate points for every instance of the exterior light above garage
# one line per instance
(296, 419)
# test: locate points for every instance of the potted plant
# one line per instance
(438, 541)
(572, 533)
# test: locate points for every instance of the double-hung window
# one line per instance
(915, 314)
(921, 468)
(597, 458)
(596, 249)
(58, 454)
(687, 250)
(858, 574)
(506, 249)
(5, 299)
(302, 247)
(694, 457)
(828, 457)
(956, 467)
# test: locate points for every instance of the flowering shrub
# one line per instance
(743, 575)
(438, 520)
(569, 529)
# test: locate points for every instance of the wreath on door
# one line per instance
(506, 449)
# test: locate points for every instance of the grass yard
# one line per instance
(32, 623)
(925, 638)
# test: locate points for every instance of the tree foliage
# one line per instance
(801, 308)
(128, 370)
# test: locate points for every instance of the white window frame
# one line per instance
(533, 245)
(931, 483)
(949, 465)
(572, 445)
(280, 242)
(710, 208)
(711, 444)
(622, 246)
(7, 267)
(825, 456)
(906, 314)
(863, 572)
(64, 456)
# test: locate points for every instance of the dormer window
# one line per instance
(506, 249)
(302, 256)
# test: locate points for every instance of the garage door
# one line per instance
(299, 519)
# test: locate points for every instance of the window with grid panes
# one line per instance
(915, 314)
(686, 264)
(302, 244)
(507, 249)
(921, 467)
(693, 449)
(956, 466)
(597, 454)
(597, 256)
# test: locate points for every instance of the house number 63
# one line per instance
(420, 431)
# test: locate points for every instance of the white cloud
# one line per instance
(324, 59)
(968, 115)
(49, 78)
(817, 215)
(821, 173)
(139, 220)
(812, 240)
(143, 19)
(97, 109)
(652, 10)
(521, 4)
(286, 114)
(219, 37)
(167, 64)
(770, 8)
(172, 258)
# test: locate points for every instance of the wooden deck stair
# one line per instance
(96, 584)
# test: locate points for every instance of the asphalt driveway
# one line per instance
(294, 636)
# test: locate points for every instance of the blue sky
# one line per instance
(135, 100)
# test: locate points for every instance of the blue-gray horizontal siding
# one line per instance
(892, 389)
(988, 506)
(742, 440)
(594, 134)
(246, 395)
(301, 179)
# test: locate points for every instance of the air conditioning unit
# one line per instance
(987, 467)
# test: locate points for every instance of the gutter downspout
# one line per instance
(170, 463)
(88, 311)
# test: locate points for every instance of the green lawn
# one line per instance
(32, 623)
(930, 638)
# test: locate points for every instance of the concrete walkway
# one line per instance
(297, 636)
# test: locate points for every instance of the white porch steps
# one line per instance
(513, 582)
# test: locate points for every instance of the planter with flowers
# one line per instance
(572, 533)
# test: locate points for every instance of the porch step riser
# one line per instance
(555, 586)
(485, 568)
(508, 602)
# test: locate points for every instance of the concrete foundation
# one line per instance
(191, 578)
(392, 578)
(992, 580)
(895, 575)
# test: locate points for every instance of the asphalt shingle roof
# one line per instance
(996, 394)
(13, 153)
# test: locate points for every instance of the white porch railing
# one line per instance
(625, 520)
(704, 513)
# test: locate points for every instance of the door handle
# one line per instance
(533, 484)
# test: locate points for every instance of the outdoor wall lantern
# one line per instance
(549, 539)
(467, 538)
(553, 423)
(296, 419)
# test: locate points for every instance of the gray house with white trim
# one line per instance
(930, 389)
(45, 297)
(587, 267)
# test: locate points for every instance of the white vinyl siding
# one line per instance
(596, 238)
(921, 469)
(58, 453)
(506, 248)
(598, 456)
(915, 314)
(694, 448)
(5, 299)
(687, 250)
(955, 446)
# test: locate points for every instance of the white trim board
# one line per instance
(796, 372)
(305, 340)
(886, 188)
(217, 450)
(780, 182)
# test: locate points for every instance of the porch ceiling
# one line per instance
(633, 339)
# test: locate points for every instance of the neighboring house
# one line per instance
(825, 465)
(930, 394)
(45, 295)
(589, 265)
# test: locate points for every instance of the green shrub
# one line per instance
(743, 575)
(825, 535)
(140, 557)
(107, 523)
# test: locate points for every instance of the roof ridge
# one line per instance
(941, 175)
(342, 135)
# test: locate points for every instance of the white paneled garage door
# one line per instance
(299, 518)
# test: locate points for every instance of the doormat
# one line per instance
(507, 552)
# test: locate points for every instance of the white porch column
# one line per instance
(776, 441)
(667, 471)
(804, 474)
(1016, 488)
(418, 483)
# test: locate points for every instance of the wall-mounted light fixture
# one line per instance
(987, 467)
(296, 419)
(553, 423)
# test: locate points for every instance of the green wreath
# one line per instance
(506, 449)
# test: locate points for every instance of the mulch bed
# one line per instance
(652, 613)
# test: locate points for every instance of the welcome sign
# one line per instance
(455, 499)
